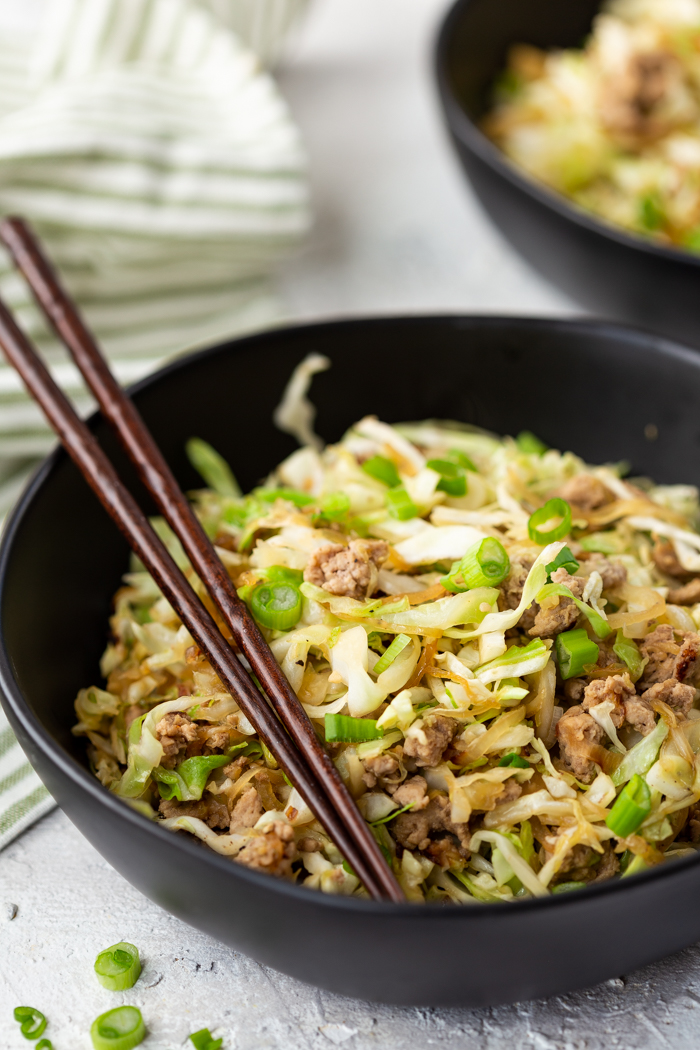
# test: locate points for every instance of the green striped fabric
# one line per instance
(162, 169)
(23, 798)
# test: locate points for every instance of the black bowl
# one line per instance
(589, 387)
(613, 273)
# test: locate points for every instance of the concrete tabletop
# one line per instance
(397, 230)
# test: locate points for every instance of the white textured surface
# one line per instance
(397, 230)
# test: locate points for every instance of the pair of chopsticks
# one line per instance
(288, 734)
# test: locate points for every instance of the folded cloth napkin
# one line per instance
(165, 175)
(23, 797)
(167, 179)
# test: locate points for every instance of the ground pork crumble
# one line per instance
(486, 749)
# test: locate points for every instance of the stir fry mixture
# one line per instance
(497, 642)
(614, 126)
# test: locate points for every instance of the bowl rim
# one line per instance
(470, 134)
(12, 699)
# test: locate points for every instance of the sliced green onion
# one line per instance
(452, 479)
(563, 560)
(530, 444)
(44, 1044)
(347, 730)
(382, 469)
(203, 1040)
(299, 499)
(397, 646)
(463, 459)
(118, 1029)
(31, 1021)
(553, 509)
(631, 808)
(486, 564)
(214, 469)
(118, 967)
(634, 867)
(273, 574)
(629, 653)
(514, 759)
(276, 605)
(335, 506)
(574, 650)
(400, 505)
(187, 782)
(567, 887)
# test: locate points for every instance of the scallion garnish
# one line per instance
(214, 469)
(299, 499)
(563, 560)
(628, 651)
(31, 1021)
(530, 444)
(631, 808)
(486, 564)
(463, 460)
(553, 510)
(203, 1040)
(44, 1044)
(397, 646)
(347, 730)
(382, 469)
(452, 479)
(334, 506)
(568, 887)
(574, 650)
(400, 505)
(276, 605)
(514, 759)
(118, 967)
(118, 1029)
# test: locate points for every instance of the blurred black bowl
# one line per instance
(613, 273)
(62, 560)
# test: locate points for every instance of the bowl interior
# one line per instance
(478, 33)
(591, 388)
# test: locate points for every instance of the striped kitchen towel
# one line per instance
(23, 797)
(163, 171)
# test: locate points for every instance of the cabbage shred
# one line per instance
(493, 777)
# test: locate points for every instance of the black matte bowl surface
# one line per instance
(589, 387)
(613, 273)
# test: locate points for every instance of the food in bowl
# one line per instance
(498, 642)
(615, 126)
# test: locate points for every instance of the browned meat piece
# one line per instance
(248, 810)
(412, 792)
(686, 666)
(639, 714)
(351, 571)
(428, 739)
(215, 738)
(666, 561)
(210, 810)
(511, 791)
(309, 845)
(617, 688)
(693, 832)
(272, 851)
(660, 650)
(234, 769)
(178, 736)
(585, 491)
(687, 595)
(632, 101)
(607, 866)
(375, 768)
(444, 852)
(577, 863)
(612, 573)
(412, 830)
(557, 618)
(678, 697)
(512, 590)
(574, 689)
(577, 734)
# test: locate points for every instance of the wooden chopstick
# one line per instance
(83, 448)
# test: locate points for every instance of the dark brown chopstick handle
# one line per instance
(93, 463)
(154, 471)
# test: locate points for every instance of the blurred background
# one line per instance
(187, 197)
